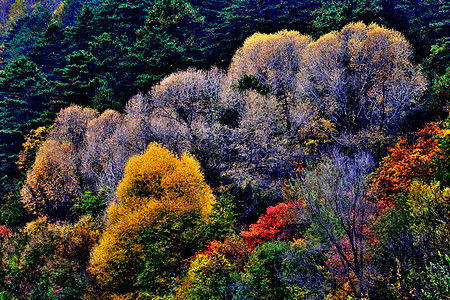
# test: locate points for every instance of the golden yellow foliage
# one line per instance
(52, 183)
(157, 189)
(273, 58)
(33, 142)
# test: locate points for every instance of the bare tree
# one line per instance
(362, 79)
(335, 196)
(100, 150)
(274, 59)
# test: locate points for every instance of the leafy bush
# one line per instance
(48, 261)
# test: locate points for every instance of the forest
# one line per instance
(234, 149)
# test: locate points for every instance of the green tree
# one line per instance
(334, 14)
(49, 51)
(166, 42)
(22, 106)
(49, 260)
(240, 19)
(24, 34)
(430, 222)
(78, 80)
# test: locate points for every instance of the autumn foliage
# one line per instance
(362, 79)
(160, 195)
(143, 173)
(48, 260)
(407, 162)
(278, 224)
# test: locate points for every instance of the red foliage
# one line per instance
(4, 231)
(277, 224)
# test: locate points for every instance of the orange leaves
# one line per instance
(52, 183)
(407, 162)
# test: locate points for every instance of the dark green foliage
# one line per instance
(397, 255)
(49, 51)
(335, 14)
(83, 32)
(251, 82)
(24, 33)
(72, 10)
(22, 101)
(166, 41)
(262, 271)
(439, 20)
(78, 80)
(10, 142)
(242, 18)
(222, 219)
(277, 270)
(22, 106)
(12, 212)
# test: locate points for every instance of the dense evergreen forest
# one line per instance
(233, 149)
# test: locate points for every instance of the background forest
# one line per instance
(236, 149)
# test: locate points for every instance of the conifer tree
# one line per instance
(21, 107)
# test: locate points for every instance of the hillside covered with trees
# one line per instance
(235, 149)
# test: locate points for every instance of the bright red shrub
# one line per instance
(277, 224)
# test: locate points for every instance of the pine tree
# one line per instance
(21, 107)
(166, 41)
(24, 34)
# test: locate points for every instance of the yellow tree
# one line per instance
(33, 142)
(163, 202)
(52, 185)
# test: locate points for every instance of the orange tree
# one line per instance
(412, 194)
(407, 162)
(163, 206)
